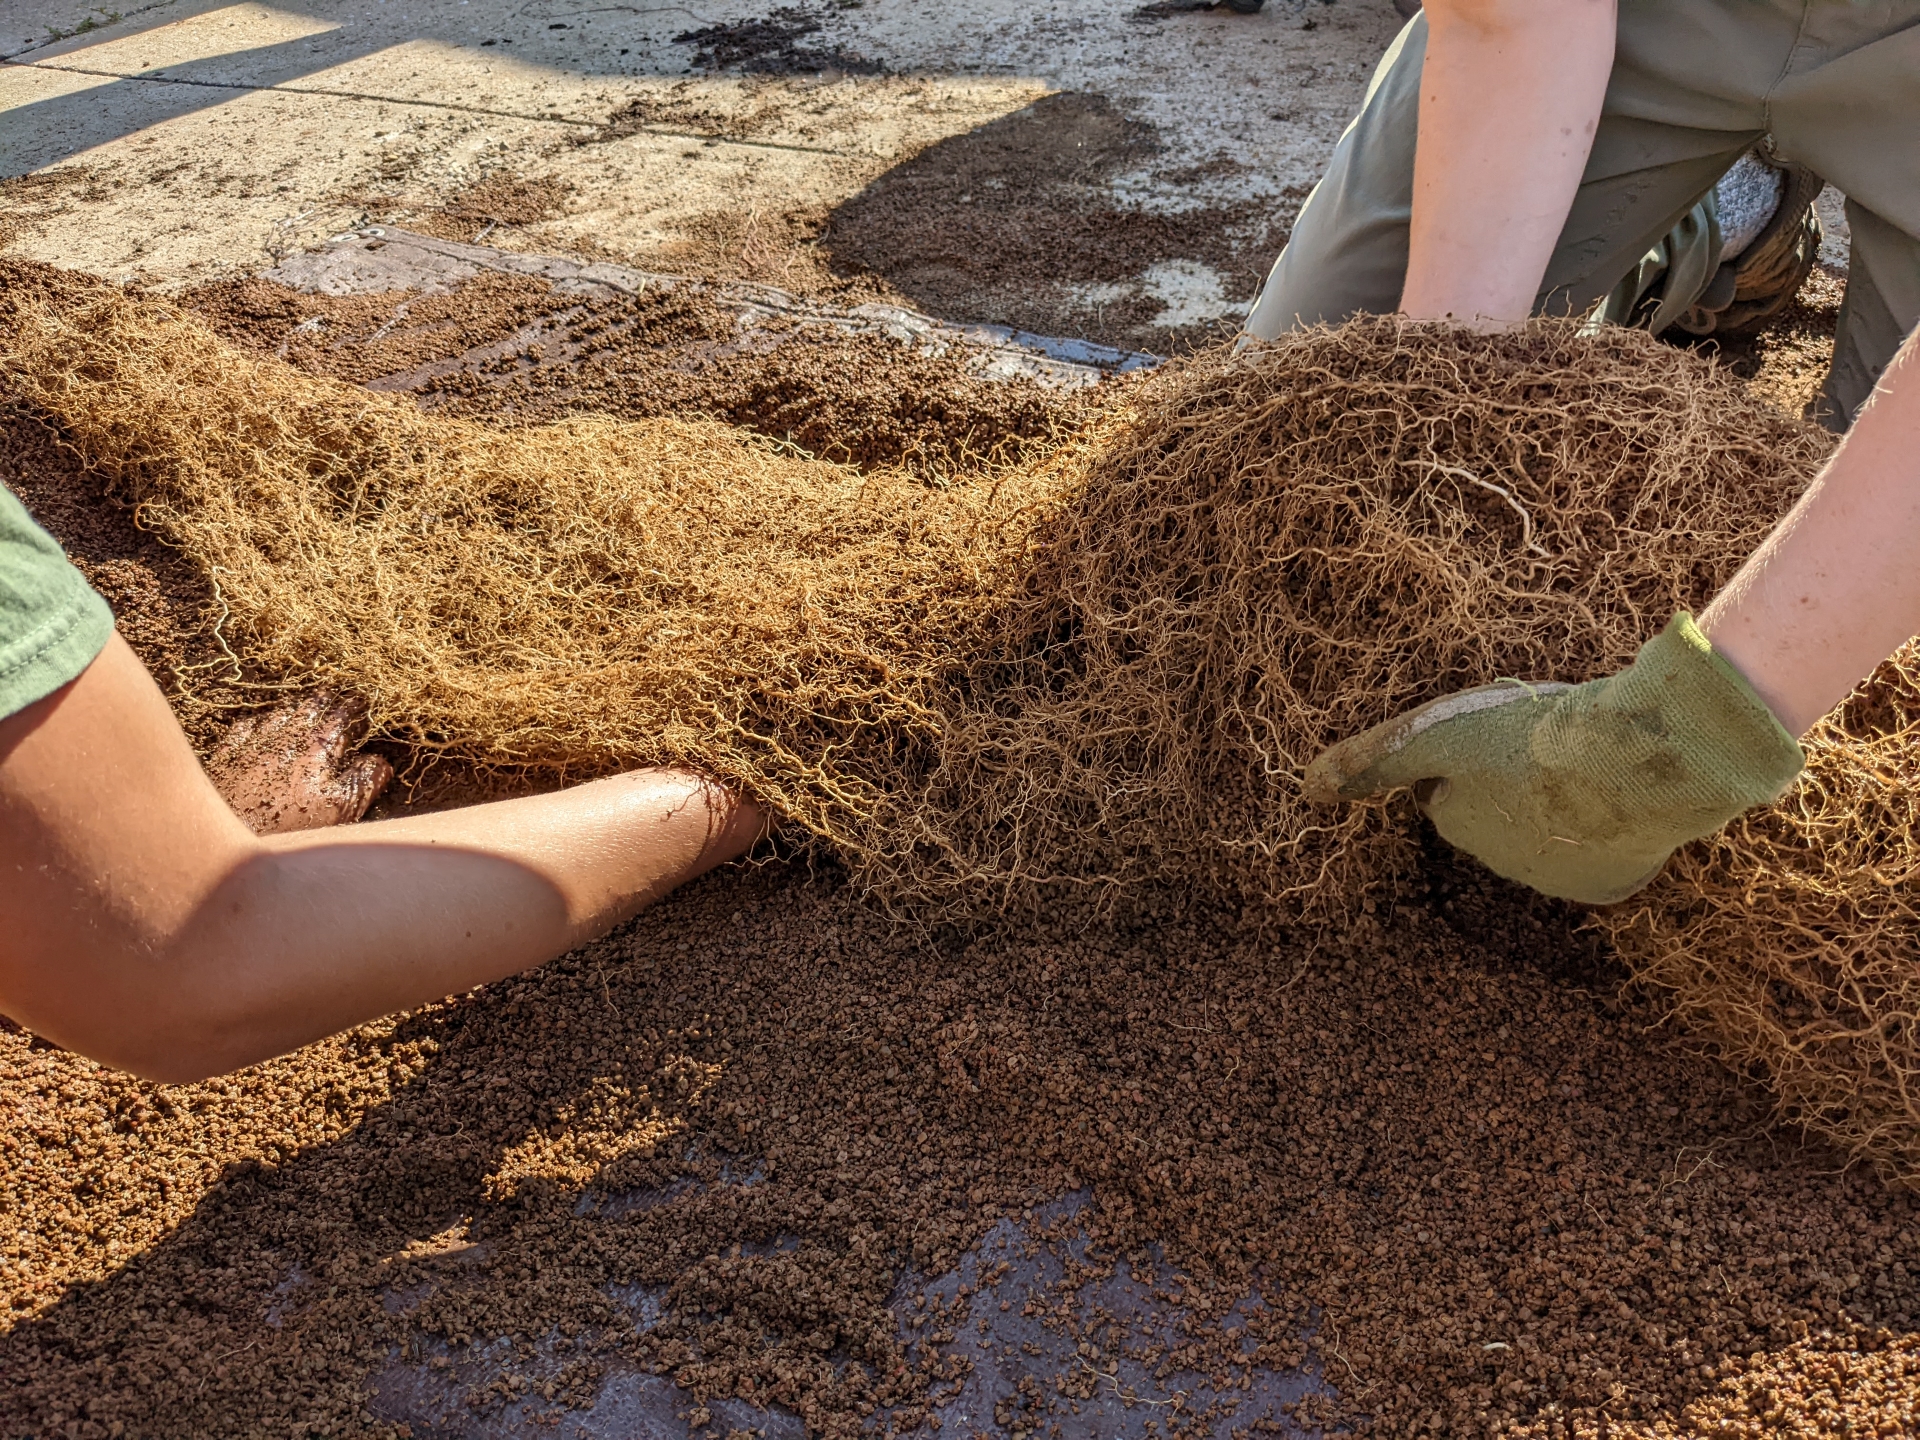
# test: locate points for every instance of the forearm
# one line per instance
(1510, 97)
(1835, 588)
(324, 929)
(148, 928)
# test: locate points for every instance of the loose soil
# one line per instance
(1465, 1185)
(1788, 361)
(771, 45)
(1466, 1181)
(513, 351)
(503, 198)
(1015, 222)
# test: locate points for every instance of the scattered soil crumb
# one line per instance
(1788, 361)
(503, 198)
(771, 45)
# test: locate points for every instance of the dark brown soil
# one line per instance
(773, 45)
(510, 350)
(363, 337)
(1788, 361)
(999, 224)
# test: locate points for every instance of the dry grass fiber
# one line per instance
(568, 600)
(1090, 674)
(1788, 941)
(1099, 675)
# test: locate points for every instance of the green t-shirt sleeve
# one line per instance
(52, 623)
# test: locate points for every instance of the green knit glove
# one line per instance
(1581, 791)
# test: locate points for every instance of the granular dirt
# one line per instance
(1014, 223)
(32, 200)
(1787, 362)
(511, 350)
(1463, 1183)
(771, 45)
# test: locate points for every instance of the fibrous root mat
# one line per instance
(1071, 694)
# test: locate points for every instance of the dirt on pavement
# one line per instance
(1015, 222)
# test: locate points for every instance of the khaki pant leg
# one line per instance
(1881, 309)
(1850, 111)
(1348, 251)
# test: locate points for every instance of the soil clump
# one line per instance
(772, 45)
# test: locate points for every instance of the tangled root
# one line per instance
(1088, 676)
(1094, 676)
(1788, 942)
(1283, 547)
(567, 601)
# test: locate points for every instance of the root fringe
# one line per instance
(1087, 678)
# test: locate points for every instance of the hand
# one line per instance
(291, 769)
(1580, 791)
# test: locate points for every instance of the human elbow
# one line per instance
(148, 1010)
(156, 1049)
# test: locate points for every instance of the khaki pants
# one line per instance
(1835, 84)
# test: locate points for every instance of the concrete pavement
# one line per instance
(194, 138)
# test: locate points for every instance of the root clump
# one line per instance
(1092, 674)
(1787, 942)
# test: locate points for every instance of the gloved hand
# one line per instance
(1581, 791)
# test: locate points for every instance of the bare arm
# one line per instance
(1510, 97)
(147, 927)
(1835, 588)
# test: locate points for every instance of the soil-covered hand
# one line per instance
(1580, 791)
(290, 769)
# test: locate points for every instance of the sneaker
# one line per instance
(1766, 255)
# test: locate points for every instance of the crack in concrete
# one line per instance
(57, 36)
(450, 105)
